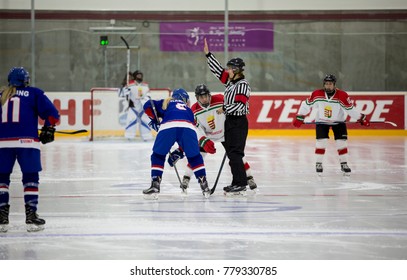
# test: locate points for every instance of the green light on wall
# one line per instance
(104, 41)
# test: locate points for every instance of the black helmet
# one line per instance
(201, 89)
(137, 73)
(237, 64)
(330, 78)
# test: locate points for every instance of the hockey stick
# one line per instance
(169, 153)
(333, 123)
(70, 132)
(128, 59)
(176, 170)
(220, 171)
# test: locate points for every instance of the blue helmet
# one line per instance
(18, 77)
(180, 94)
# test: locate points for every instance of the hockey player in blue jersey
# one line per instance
(177, 126)
(21, 105)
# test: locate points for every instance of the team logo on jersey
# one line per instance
(211, 121)
(328, 112)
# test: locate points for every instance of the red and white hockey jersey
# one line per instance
(333, 109)
(208, 122)
(137, 92)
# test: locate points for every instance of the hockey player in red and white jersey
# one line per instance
(136, 93)
(210, 128)
(333, 105)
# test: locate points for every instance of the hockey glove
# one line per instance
(154, 124)
(298, 121)
(175, 156)
(47, 134)
(363, 120)
(207, 144)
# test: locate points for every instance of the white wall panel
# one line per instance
(208, 5)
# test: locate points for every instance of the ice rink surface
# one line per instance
(91, 197)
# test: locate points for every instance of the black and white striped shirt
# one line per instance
(237, 92)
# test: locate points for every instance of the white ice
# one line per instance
(91, 197)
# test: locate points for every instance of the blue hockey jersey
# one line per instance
(19, 118)
(177, 114)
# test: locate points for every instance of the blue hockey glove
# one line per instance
(154, 124)
(175, 156)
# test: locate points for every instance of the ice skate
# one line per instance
(153, 191)
(318, 168)
(204, 187)
(32, 220)
(235, 190)
(252, 184)
(184, 184)
(345, 168)
(4, 212)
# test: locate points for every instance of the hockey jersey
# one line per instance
(208, 122)
(333, 109)
(137, 92)
(19, 118)
(177, 114)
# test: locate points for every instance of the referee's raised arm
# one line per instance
(214, 65)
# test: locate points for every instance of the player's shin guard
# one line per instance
(342, 147)
(197, 166)
(157, 165)
(320, 147)
(31, 183)
(31, 195)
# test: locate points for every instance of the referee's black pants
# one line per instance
(236, 130)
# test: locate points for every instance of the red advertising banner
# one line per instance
(267, 110)
(278, 111)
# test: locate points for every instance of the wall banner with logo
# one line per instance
(268, 110)
(189, 36)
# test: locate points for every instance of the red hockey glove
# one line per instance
(207, 144)
(298, 121)
(363, 120)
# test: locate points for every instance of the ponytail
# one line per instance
(166, 101)
(7, 93)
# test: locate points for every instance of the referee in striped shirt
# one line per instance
(235, 107)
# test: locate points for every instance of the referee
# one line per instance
(235, 107)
